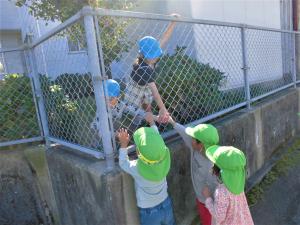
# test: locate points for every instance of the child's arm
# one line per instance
(166, 36)
(124, 162)
(149, 117)
(163, 112)
(217, 207)
(181, 131)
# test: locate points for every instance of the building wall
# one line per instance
(13, 61)
(9, 18)
(218, 46)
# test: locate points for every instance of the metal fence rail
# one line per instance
(208, 69)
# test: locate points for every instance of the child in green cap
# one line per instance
(149, 172)
(229, 206)
(198, 139)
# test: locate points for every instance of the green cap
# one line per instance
(207, 134)
(154, 157)
(232, 163)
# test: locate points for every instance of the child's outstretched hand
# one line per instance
(163, 116)
(206, 192)
(149, 117)
(123, 137)
(176, 15)
(171, 121)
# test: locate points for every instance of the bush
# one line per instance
(76, 85)
(70, 108)
(190, 90)
(17, 109)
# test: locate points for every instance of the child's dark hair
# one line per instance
(216, 170)
(138, 61)
(197, 141)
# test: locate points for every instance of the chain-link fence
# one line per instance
(207, 69)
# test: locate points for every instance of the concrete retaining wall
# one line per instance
(84, 193)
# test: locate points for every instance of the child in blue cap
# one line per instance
(141, 88)
(112, 93)
(112, 90)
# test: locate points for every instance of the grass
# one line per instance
(281, 168)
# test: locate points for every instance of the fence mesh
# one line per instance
(18, 118)
(269, 60)
(199, 73)
(67, 88)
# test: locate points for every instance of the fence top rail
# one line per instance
(152, 16)
(73, 19)
(130, 14)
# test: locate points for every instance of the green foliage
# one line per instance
(17, 109)
(76, 85)
(61, 10)
(70, 109)
(189, 89)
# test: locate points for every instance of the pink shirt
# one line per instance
(229, 209)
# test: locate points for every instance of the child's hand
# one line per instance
(176, 15)
(123, 137)
(163, 116)
(149, 118)
(206, 192)
(171, 121)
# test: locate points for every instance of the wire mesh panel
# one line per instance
(18, 117)
(269, 60)
(198, 74)
(67, 88)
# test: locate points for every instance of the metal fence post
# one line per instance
(94, 66)
(39, 97)
(103, 73)
(29, 72)
(294, 61)
(245, 67)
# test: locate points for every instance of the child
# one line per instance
(112, 90)
(229, 206)
(149, 172)
(112, 93)
(198, 139)
(141, 88)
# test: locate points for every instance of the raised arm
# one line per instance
(166, 36)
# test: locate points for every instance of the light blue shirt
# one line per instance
(148, 193)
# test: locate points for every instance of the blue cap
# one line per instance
(150, 47)
(112, 87)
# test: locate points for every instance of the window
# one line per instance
(75, 45)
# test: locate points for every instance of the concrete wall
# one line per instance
(79, 191)
(25, 187)
(86, 194)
